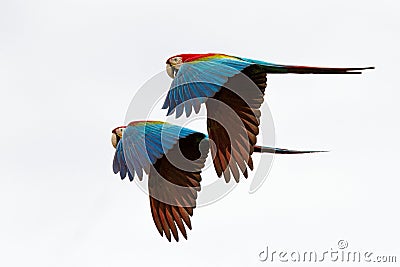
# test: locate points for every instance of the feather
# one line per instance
(172, 190)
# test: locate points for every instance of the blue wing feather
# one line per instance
(262, 63)
(202, 79)
(142, 144)
(119, 163)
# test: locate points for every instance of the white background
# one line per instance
(68, 71)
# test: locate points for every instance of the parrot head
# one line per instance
(117, 135)
(173, 65)
(175, 62)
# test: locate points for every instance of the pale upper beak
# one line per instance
(116, 137)
(171, 70)
(114, 140)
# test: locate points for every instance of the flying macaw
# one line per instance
(199, 78)
(173, 158)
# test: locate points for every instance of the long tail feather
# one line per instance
(313, 70)
(278, 68)
(266, 149)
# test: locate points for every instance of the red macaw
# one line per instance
(173, 158)
(233, 115)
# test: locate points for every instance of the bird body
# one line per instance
(173, 158)
(215, 70)
(232, 88)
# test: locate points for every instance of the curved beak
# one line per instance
(114, 140)
(170, 70)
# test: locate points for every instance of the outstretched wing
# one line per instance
(233, 122)
(198, 80)
(203, 77)
(174, 183)
(142, 144)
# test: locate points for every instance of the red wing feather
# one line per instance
(233, 122)
(173, 187)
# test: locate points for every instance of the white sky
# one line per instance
(69, 69)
